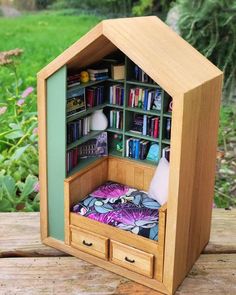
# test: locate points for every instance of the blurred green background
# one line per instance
(42, 29)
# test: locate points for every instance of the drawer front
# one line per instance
(131, 258)
(89, 242)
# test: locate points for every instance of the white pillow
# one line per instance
(158, 189)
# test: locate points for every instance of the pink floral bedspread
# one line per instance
(123, 207)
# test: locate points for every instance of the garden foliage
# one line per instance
(19, 187)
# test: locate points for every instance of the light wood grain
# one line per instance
(130, 173)
(222, 240)
(20, 236)
(80, 239)
(42, 132)
(107, 265)
(192, 172)
(131, 258)
(213, 274)
(147, 41)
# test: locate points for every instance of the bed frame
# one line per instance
(110, 243)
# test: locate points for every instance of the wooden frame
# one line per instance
(195, 85)
(95, 175)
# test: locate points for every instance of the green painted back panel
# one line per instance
(56, 151)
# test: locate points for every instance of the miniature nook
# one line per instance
(151, 57)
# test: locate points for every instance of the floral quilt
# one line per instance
(123, 207)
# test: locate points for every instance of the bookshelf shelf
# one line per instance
(114, 106)
(140, 111)
(82, 164)
(148, 162)
(116, 81)
(84, 85)
(115, 153)
(115, 130)
(83, 139)
(166, 141)
(142, 84)
(140, 136)
(85, 113)
(167, 115)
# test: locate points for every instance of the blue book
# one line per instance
(144, 125)
(122, 96)
(134, 148)
(137, 149)
(131, 144)
(145, 103)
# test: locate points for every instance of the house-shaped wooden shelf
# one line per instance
(179, 72)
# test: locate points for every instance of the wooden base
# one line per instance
(151, 283)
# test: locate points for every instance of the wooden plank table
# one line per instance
(28, 267)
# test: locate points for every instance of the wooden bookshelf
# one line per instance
(128, 113)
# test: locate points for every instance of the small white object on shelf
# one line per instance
(98, 120)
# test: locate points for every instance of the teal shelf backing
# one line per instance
(141, 111)
(127, 118)
(167, 115)
(142, 84)
(140, 136)
(84, 85)
(116, 81)
(83, 139)
(153, 163)
(114, 106)
(56, 152)
(85, 113)
(114, 130)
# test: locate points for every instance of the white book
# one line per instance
(149, 101)
(111, 118)
(133, 96)
(117, 119)
(127, 147)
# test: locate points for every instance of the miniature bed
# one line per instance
(119, 238)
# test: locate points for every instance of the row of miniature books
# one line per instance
(81, 99)
(95, 147)
(145, 98)
(116, 94)
(146, 125)
(141, 76)
(116, 119)
(78, 129)
(94, 75)
(95, 96)
(137, 148)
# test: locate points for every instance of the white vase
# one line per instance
(98, 120)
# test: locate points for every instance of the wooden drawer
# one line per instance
(89, 242)
(131, 258)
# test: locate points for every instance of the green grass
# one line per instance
(42, 36)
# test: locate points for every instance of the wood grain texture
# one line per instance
(20, 236)
(131, 258)
(88, 242)
(130, 173)
(147, 41)
(68, 275)
(42, 131)
(192, 172)
(28, 243)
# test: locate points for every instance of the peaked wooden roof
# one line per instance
(167, 58)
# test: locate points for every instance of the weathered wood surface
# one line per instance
(39, 270)
(19, 235)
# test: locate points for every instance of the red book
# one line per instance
(136, 98)
(90, 97)
(156, 128)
